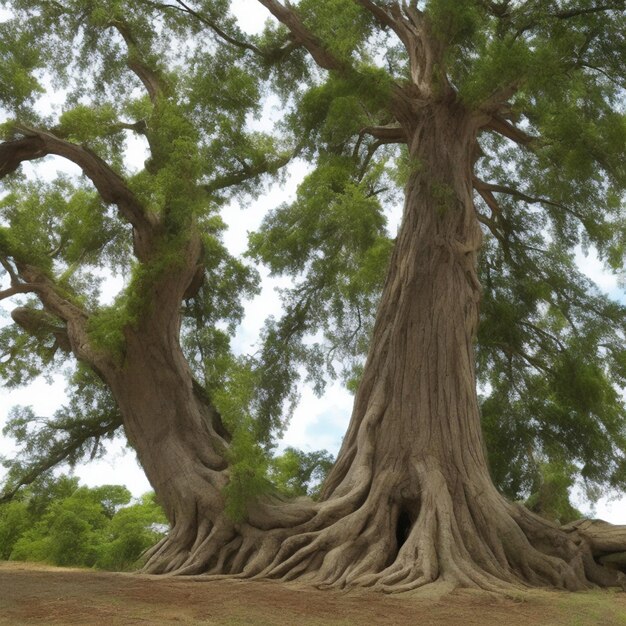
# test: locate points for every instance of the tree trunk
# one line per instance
(410, 501)
(177, 437)
(176, 432)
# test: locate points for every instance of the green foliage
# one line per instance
(333, 236)
(64, 228)
(77, 431)
(252, 471)
(296, 473)
(247, 480)
(550, 347)
(455, 24)
(14, 522)
(550, 353)
(550, 497)
(19, 59)
(132, 530)
(341, 25)
(335, 111)
(58, 522)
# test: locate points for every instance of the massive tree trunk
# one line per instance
(176, 434)
(410, 501)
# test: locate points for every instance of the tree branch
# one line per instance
(148, 76)
(10, 271)
(59, 455)
(498, 101)
(564, 15)
(270, 54)
(595, 68)
(510, 131)
(287, 16)
(244, 45)
(511, 191)
(249, 172)
(486, 194)
(75, 318)
(386, 134)
(112, 189)
(544, 333)
(17, 289)
(381, 14)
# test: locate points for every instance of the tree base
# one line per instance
(467, 538)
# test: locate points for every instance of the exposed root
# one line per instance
(471, 538)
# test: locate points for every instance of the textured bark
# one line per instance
(410, 501)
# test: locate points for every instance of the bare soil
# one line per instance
(36, 594)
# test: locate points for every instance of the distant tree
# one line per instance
(501, 121)
(20, 515)
(550, 495)
(88, 527)
(297, 473)
(69, 532)
(132, 530)
(14, 521)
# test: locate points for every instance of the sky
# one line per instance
(318, 423)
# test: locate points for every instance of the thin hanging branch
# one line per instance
(249, 172)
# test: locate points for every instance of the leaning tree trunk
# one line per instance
(410, 501)
(177, 435)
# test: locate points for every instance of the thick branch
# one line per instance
(510, 131)
(10, 271)
(12, 291)
(17, 289)
(75, 318)
(147, 75)
(487, 195)
(139, 127)
(385, 134)
(111, 187)
(287, 16)
(383, 16)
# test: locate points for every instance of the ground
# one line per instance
(36, 594)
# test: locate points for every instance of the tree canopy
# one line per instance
(360, 85)
(550, 351)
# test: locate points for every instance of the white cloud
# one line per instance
(319, 423)
(251, 16)
(594, 268)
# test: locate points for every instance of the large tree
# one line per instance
(503, 124)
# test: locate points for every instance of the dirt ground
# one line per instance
(35, 594)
